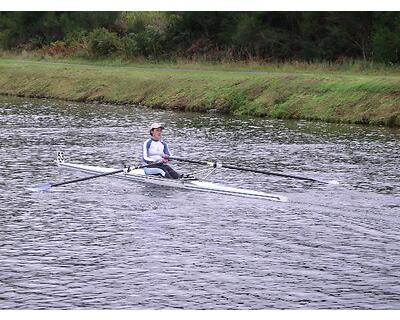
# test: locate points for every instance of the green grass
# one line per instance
(349, 67)
(326, 96)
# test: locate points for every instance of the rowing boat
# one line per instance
(188, 183)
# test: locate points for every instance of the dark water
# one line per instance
(108, 243)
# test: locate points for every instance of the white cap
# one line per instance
(156, 125)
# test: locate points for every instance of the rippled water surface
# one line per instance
(114, 244)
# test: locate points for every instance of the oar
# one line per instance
(222, 165)
(47, 186)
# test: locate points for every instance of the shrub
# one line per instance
(386, 46)
(102, 43)
(6, 40)
(150, 42)
(57, 48)
(130, 46)
(77, 44)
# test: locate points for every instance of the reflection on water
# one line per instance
(108, 243)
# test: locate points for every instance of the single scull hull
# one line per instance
(138, 175)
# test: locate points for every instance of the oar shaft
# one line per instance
(86, 178)
(96, 176)
(192, 161)
(216, 164)
(47, 186)
(271, 173)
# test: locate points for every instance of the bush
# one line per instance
(136, 22)
(102, 43)
(57, 48)
(77, 44)
(6, 40)
(386, 46)
(150, 42)
(130, 46)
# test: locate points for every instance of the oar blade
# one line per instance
(40, 187)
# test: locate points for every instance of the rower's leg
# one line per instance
(160, 168)
(171, 172)
(155, 171)
(167, 175)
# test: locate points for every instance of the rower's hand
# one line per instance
(165, 158)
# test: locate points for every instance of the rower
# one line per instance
(156, 151)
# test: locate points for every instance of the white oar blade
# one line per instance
(40, 187)
(333, 182)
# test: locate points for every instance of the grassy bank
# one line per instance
(333, 97)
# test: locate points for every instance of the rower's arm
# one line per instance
(166, 149)
(146, 147)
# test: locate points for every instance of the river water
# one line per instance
(113, 244)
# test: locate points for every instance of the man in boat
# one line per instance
(156, 151)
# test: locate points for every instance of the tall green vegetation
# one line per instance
(33, 30)
(211, 36)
